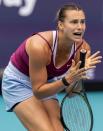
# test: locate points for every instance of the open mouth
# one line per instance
(77, 34)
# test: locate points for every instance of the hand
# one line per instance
(73, 87)
(75, 74)
(92, 60)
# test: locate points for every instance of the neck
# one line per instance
(64, 43)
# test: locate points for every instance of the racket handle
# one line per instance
(82, 57)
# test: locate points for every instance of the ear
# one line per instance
(60, 25)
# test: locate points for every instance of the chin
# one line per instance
(78, 40)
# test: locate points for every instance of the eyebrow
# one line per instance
(77, 19)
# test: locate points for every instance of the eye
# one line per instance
(83, 21)
(74, 21)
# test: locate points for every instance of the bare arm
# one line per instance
(39, 56)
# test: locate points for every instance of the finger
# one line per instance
(88, 54)
(94, 62)
(97, 58)
(95, 54)
(85, 77)
(82, 73)
(73, 63)
(91, 67)
(81, 70)
(78, 65)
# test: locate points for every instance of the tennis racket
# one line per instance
(75, 111)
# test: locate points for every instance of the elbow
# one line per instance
(38, 94)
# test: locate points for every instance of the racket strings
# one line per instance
(76, 114)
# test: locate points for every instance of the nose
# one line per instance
(79, 26)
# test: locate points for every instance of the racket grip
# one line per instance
(82, 57)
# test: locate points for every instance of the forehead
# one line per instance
(74, 14)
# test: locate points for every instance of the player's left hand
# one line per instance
(92, 60)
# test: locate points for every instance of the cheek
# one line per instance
(69, 31)
(69, 28)
(84, 27)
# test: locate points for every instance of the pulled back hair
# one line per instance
(61, 12)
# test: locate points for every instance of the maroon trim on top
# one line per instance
(44, 40)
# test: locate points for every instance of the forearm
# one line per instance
(49, 89)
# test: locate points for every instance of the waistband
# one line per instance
(11, 68)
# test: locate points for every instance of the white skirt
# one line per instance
(16, 87)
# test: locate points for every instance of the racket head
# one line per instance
(76, 113)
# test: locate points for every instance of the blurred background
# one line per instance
(21, 18)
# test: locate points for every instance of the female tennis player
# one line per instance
(43, 65)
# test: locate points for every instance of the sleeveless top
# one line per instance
(20, 58)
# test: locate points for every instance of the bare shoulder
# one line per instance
(47, 35)
(41, 39)
(44, 37)
(38, 49)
